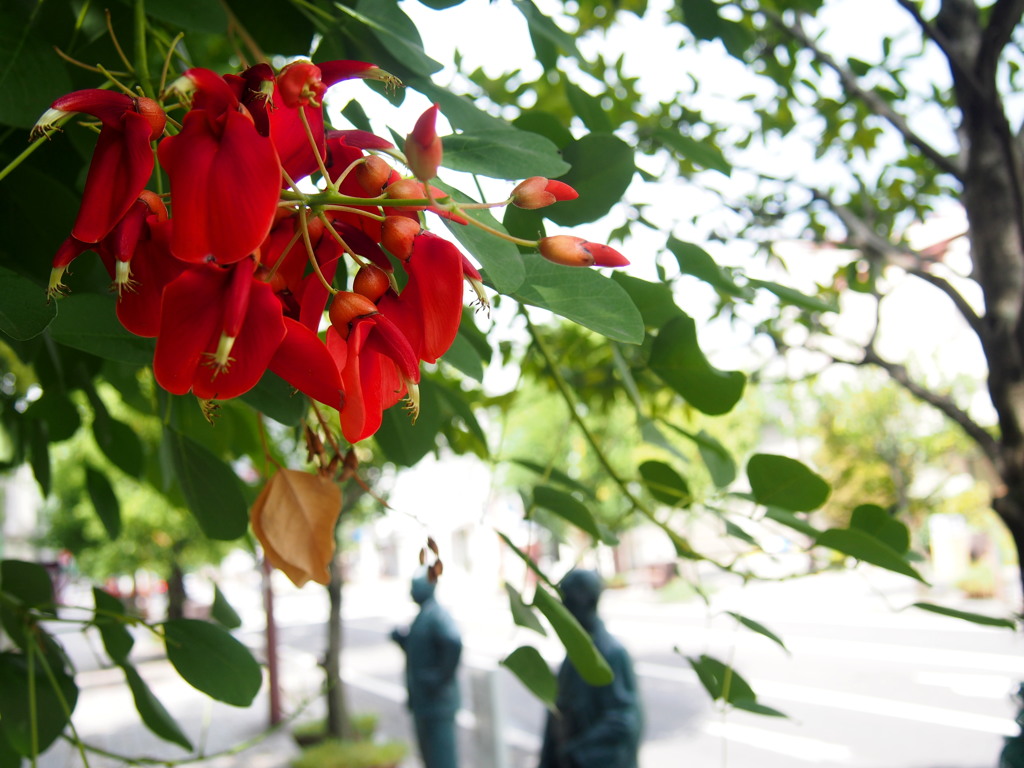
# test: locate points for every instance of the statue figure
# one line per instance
(595, 726)
(432, 648)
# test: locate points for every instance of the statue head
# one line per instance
(580, 592)
(422, 588)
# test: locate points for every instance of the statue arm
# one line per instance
(611, 739)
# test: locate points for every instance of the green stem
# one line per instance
(141, 58)
(33, 714)
(65, 707)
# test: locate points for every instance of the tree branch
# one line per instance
(966, 310)
(1003, 18)
(871, 100)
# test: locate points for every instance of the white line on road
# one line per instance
(799, 747)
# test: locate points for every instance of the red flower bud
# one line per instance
(347, 306)
(538, 192)
(371, 281)
(423, 146)
(576, 252)
(397, 235)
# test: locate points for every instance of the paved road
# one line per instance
(864, 685)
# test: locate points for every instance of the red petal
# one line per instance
(224, 188)
(190, 324)
(304, 362)
(122, 163)
(153, 268)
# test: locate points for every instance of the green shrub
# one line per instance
(352, 754)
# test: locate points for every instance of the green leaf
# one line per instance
(500, 259)
(761, 629)
(522, 614)
(222, 612)
(546, 124)
(578, 644)
(405, 442)
(780, 481)
(792, 296)
(152, 712)
(88, 321)
(976, 618)
(566, 507)
(59, 413)
(465, 358)
(555, 475)
(544, 28)
(212, 661)
(39, 455)
(26, 588)
(52, 706)
(104, 501)
(720, 463)
(665, 484)
(602, 169)
(118, 441)
(529, 666)
(197, 15)
(527, 560)
(24, 310)
(9, 757)
(503, 154)
(32, 76)
(874, 520)
(274, 397)
(117, 640)
(724, 684)
(584, 296)
(210, 487)
(699, 152)
(588, 109)
(395, 31)
(790, 520)
(655, 301)
(676, 358)
(694, 260)
(864, 546)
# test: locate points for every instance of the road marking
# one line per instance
(798, 747)
(872, 705)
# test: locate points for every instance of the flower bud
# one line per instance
(397, 235)
(538, 192)
(423, 146)
(372, 175)
(576, 252)
(347, 306)
(371, 281)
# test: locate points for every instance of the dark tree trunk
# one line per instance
(339, 726)
(176, 595)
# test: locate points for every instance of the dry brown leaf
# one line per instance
(294, 519)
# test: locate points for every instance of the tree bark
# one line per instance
(339, 725)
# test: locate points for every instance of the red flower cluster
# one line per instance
(233, 280)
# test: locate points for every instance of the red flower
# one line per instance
(122, 160)
(423, 148)
(219, 330)
(225, 177)
(538, 192)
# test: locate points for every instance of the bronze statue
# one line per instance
(595, 726)
(432, 648)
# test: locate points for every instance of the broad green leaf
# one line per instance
(694, 260)
(222, 612)
(676, 357)
(724, 684)
(395, 31)
(761, 629)
(154, 715)
(9, 757)
(21, 684)
(602, 168)
(780, 481)
(453, 407)
(274, 397)
(198, 15)
(588, 109)
(31, 73)
(277, 27)
(874, 520)
(699, 152)
(503, 154)
(463, 356)
(210, 487)
(682, 547)
(584, 296)
(529, 666)
(24, 310)
(461, 112)
(976, 618)
(104, 501)
(212, 661)
(556, 475)
(863, 546)
(59, 413)
(522, 614)
(118, 441)
(26, 587)
(117, 640)
(792, 296)
(720, 463)
(405, 442)
(39, 455)
(501, 261)
(665, 484)
(578, 644)
(566, 507)
(655, 301)
(88, 321)
(546, 124)
(543, 27)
